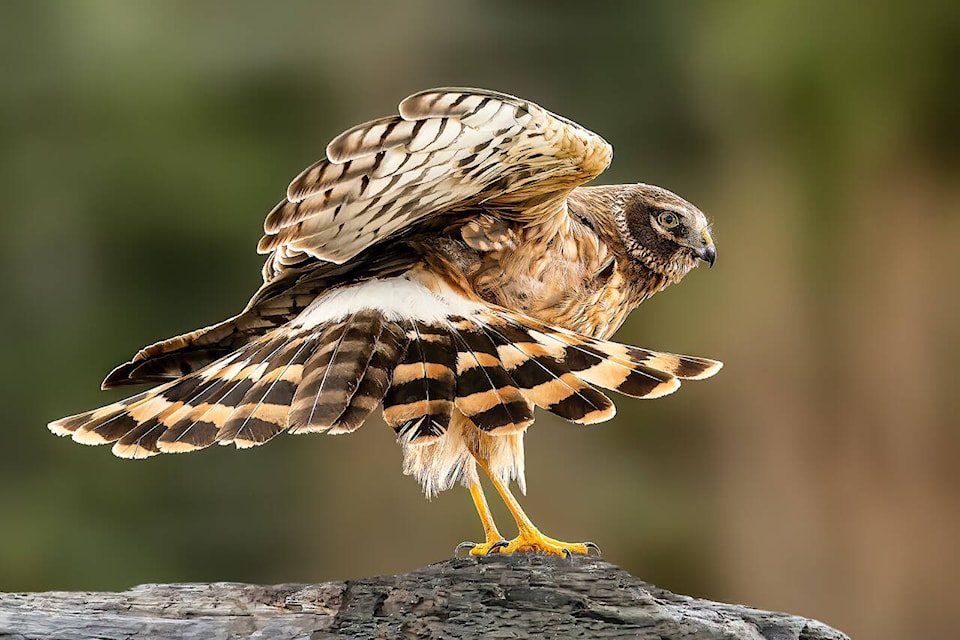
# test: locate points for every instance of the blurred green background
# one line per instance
(142, 143)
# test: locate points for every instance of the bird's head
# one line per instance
(665, 232)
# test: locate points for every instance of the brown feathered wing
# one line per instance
(447, 149)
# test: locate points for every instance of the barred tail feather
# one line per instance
(546, 381)
(485, 391)
(632, 371)
(375, 381)
(262, 413)
(420, 400)
(214, 403)
(334, 372)
(90, 420)
(175, 414)
(324, 378)
(176, 357)
(425, 358)
(196, 420)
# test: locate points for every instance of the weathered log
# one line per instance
(519, 596)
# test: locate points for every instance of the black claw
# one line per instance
(592, 545)
(497, 545)
(567, 553)
(462, 546)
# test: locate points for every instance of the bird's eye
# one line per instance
(668, 220)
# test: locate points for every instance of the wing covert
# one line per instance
(446, 150)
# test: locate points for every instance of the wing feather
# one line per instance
(418, 352)
(448, 149)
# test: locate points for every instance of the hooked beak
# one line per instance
(708, 252)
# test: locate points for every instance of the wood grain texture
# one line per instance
(528, 596)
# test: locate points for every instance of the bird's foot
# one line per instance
(494, 545)
(533, 540)
(495, 542)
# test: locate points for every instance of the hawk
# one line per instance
(448, 265)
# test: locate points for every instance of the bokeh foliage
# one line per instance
(141, 144)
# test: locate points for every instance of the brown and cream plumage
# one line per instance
(447, 265)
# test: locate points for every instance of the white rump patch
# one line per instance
(396, 298)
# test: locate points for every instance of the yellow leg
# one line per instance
(530, 538)
(493, 538)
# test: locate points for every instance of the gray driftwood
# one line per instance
(525, 596)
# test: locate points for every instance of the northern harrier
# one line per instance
(447, 264)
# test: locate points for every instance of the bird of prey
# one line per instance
(447, 264)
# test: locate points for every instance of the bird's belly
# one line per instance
(561, 297)
(596, 313)
(595, 308)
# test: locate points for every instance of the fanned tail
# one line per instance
(557, 369)
(232, 399)
(297, 379)
(632, 371)
(330, 368)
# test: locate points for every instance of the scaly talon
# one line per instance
(481, 548)
(496, 546)
(533, 540)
